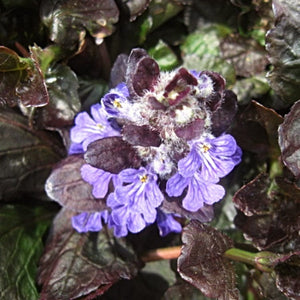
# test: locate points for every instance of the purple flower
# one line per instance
(199, 191)
(115, 102)
(167, 224)
(99, 179)
(75, 148)
(214, 157)
(205, 85)
(86, 221)
(134, 204)
(91, 128)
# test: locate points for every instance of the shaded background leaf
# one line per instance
(26, 157)
(21, 80)
(201, 51)
(272, 220)
(289, 139)
(69, 20)
(75, 264)
(62, 85)
(22, 229)
(284, 52)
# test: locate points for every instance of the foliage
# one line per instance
(57, 58)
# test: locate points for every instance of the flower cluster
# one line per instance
(152, 139)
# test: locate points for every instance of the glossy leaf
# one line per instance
(202, 264)
(164, 56)
(69, 20)
(75, 265)
(289, 139)
(256, 130)
(158, 13)
(22, 229)
(135, 7)
(26, 156)
(21, 80)
(62, 84)
(66, 186)
(283, 49)
(253, 198)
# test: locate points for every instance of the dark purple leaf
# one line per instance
(180, 84)
(270, 213)
(215, 100)
(118, 71)
(66, 186)
(224, 115)
(26, 156)
(202, 263)
(289, 139)
(64, 102)
(69, 20)
(263, 286)
(205, 214)
(142, 72)
(145, 75)
(140, 135)
(183, 291)
(247, 56)
(256, 130)
(21, 80)
(191, 130)
(218, 12)
(287, 277)
(75, 265)
(112, 154)
(253, 198)
(283, 49)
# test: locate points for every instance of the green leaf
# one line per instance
(21, 80)
(158, 13)
(201, 51)
(164, 56)
(21, 232)
(26, 157)
(251, 88)
(75, 264)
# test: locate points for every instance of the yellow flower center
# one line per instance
(143, 178)
(117, 104)
(100, 126)
(205, 148)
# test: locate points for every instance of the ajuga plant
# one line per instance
(156, 137)
(120, 111)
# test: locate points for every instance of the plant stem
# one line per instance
(162, 253)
